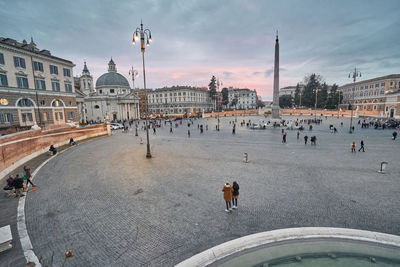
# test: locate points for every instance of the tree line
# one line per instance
(314, 84)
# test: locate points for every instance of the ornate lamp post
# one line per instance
(316, 100)
(216, 103)
(300, 100)
(134, 74)
(338, 103)
(144, 35)
(354, 74)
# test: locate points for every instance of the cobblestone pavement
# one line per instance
(113, 207)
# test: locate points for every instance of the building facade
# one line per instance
(290, 90)
(179, 100)
(242, 98)
(380, 95)
(35, 86)
(112, 95)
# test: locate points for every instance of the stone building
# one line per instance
(290, 90)
(380, 96)
(112, 94)
(244, 98)
(35, 86)
(179, 100)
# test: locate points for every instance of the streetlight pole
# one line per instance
(144, 34)
(134, 74)
(300, 100)
(216, 105)
(338, 103)
(316, 100)
(354, 74)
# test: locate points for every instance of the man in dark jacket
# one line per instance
(18, 184)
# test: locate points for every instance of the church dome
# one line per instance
(112, 78)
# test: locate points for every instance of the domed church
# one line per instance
(112, 95)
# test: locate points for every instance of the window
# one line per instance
(6, 118)
(44, 116)
(59, 116)
(112, 91)
(376, 85)
(43, 102)
(371, 86)
(56, 86)
(383, 84)
(57, 103)
(25, 102)
(68, 87)
(1, 58)
(391, 83)
(22, 82)
(3, 79)
(53, 69)
(40, 84)
(101, 91)
(96, 107)
(70, 103)
(27, 116)
(67, 72)
(71, 114)
(19, 62)
(374, 107)
(382, 92)
(38, 66)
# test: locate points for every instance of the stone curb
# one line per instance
(231, 247)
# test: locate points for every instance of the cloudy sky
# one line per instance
(234, 40)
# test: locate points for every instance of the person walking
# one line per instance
(235, 194)
(284, 137)
(362, 146)
(353, 147)
(27, 176)
(298, 135)
(305, 139)
(228, 190)
(189, 133)
(394, 135)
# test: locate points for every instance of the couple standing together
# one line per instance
(231, 195)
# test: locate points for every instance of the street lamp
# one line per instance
(354, 74)
(338, 103)
(216, 105)
(316, 100)
(134, 74)
(300, 100)
(144, 34)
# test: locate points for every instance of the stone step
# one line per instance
(5, 238)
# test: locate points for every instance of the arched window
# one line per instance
(57, 103)
(96, 107)
(25, 102)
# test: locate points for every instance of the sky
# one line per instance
(231, 39)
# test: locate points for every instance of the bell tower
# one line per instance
(86, 81)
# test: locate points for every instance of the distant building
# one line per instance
(179, 100)
(112, 95)
(379, 95)
(35, 86)
(242, 98)
(290, 90)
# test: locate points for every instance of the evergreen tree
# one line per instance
(297, 95)
(312, 83)
(322, 96)
(212, 86)
(286, 101)
(332, 101)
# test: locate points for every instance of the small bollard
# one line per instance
(383, 167)
(245, 158)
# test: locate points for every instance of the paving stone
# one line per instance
(113, 207)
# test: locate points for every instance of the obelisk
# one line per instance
(275, 103)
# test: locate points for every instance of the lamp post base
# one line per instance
(148, 155)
